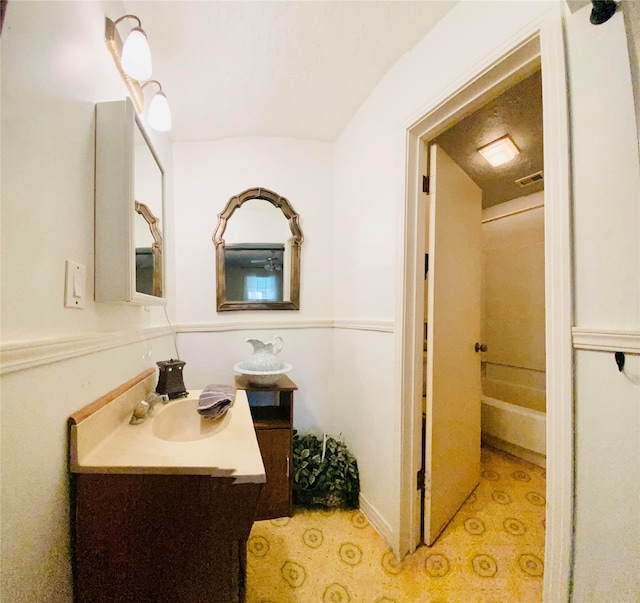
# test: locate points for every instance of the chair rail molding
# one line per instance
(21, 355)
(605, 340)
(26, 354)
(245, 325)
(274, 325)
(381, 326)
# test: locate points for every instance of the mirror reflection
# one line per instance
(258, 242)
(148, 252)
(254, 272)
(147, 230)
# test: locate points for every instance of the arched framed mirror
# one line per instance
(258, 253)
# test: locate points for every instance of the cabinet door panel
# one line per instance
(275, 499)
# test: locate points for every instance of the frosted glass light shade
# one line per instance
(159, 114)
(499, 151)
(136, 55)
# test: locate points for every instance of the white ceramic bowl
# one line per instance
(262, 378)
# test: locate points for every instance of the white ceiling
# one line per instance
(275, 68)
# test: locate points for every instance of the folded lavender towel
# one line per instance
(215, 400)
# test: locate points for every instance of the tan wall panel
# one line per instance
(513, 290)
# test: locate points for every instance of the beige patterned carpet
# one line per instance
(492, 552)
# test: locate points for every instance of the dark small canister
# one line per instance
(171, 379)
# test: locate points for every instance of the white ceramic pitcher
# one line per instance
(264, 355)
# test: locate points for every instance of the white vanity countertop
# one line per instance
(225, 447)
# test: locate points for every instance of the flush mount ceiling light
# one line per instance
(159, 113)
(499, 151)
(133, 60)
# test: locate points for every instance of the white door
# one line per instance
(452, 439)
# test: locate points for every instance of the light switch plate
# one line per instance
(75, 284)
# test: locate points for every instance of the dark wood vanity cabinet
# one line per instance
(161, 520)
(160, 538)
(275, 500)
(272, 413)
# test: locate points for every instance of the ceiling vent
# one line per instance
(530, 179)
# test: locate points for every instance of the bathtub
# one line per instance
(519, 430)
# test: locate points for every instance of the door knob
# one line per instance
(480, 347)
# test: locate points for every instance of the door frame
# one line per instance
(540, 43)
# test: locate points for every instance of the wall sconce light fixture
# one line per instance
(135, 54)
(159, 113)
(133, 61)
(499, 151)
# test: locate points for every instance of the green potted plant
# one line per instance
(325, 473)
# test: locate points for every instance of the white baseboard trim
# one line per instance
(606, 340)
(18, 356)
(376, 520)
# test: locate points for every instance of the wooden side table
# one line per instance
(272, 412)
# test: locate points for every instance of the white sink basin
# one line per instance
(174, 440)
(180, 422)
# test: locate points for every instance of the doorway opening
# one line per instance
(504, 277)
(541, 48)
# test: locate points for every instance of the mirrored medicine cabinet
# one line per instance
(258, 240)
(129, 206)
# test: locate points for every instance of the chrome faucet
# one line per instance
(144, 407)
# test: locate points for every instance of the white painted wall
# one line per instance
(207, 175)
(210, 357)
(48, 96)
(370, 194)
(607, 556)
(631, 12)
(369, 197)
(257, 221)
(55, 67)
(606, 209)
(606, 224)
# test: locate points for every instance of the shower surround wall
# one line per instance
(513, 325)
(513, 313)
